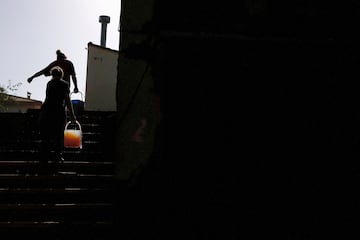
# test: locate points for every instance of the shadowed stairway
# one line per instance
(75, 200)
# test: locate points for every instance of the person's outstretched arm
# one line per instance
(39, 73)
(45, 71)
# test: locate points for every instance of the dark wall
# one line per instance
(276, 121)
(302, 18)
(260, 116)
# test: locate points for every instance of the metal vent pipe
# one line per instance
(104, 20)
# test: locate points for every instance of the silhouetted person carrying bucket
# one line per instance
(66, 65)
(52, 118)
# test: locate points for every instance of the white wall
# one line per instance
(101, 78)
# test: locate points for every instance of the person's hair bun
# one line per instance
(60, 54)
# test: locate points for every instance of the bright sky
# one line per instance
(32, 31)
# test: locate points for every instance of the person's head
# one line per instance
(60, 55)
(57, 72)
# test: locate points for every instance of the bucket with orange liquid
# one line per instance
(73, 135)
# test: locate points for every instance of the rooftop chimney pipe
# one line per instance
(104, 20)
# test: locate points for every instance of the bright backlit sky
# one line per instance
(32, 30)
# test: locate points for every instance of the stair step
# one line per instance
(32, 167)
(55, 195)
(69, 212)
(87, 155)
(33, 144)
(57, 180)
(45, 230)
(51, 224)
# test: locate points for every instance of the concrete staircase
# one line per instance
(75, 200)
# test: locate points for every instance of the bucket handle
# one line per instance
(82, 98)
(76, 122)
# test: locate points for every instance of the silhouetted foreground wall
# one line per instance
(260, 121)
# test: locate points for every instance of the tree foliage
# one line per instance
(5, 99)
